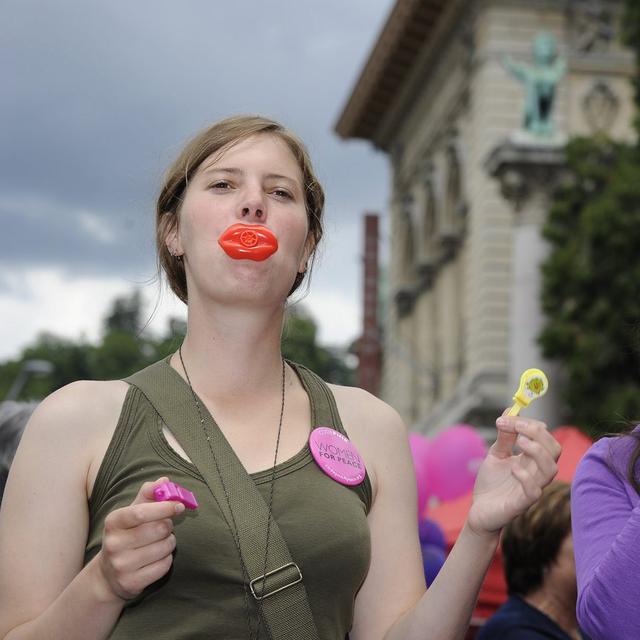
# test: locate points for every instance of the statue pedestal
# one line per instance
(527, 168)
(528, 143)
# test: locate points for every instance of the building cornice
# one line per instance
(410, 41)
(409, 26)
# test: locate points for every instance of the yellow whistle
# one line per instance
(533, 384)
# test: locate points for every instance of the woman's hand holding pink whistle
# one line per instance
(138, 542)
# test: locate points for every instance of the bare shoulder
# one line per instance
(375, 427)
(80, 409)
(368, 414)
(44, 515)
(74, 425)
(65, 437)
(68, 435)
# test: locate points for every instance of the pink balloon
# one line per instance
(453, 460)
(419, 452)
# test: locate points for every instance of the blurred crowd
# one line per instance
(13, 419)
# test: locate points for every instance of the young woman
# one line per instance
(605, 508)
(86, 551)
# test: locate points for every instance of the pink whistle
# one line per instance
(173, 491)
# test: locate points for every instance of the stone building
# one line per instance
(435, 94)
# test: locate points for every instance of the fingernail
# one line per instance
(502, 422)
(179, 507)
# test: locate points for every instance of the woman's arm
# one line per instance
(44, 525)
(606, 530)
(392, 603)
(44, 589)
(445, 610)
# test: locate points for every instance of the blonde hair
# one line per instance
(220, 136)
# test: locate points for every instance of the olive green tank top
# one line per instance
(203, 595)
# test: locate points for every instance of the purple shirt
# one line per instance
(605, 511)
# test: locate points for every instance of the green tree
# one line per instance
(71, 361)
(591, 280)
(591, 284)
(125, 348)
(631, 37)
(126, 314)
(122, 350)
(120, 354)
(299, 344)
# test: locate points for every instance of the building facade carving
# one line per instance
(592, 24)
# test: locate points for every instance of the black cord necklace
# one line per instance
(232, 525)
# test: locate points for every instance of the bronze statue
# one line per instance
(540, 81)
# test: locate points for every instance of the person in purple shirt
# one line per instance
(605, 503)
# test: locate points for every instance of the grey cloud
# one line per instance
(99, 96)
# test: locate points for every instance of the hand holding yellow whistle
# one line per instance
(533, 384)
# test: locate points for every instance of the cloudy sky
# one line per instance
(98, 97)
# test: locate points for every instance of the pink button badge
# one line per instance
(336, 456)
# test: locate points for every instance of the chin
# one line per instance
(247, 283)
(253, 292)
(261, 279)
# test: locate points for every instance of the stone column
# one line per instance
(527, 169)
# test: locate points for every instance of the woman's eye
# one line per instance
(281, 193)
(221, 184)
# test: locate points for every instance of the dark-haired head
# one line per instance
(532, 542)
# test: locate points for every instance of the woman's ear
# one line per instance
(307, 252)
(171, 235)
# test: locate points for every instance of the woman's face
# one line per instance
(256, 181)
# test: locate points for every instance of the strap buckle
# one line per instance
(281, 583)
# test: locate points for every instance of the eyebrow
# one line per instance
(231, 170)
(236, 171)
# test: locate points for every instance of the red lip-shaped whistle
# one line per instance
(248, 242)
